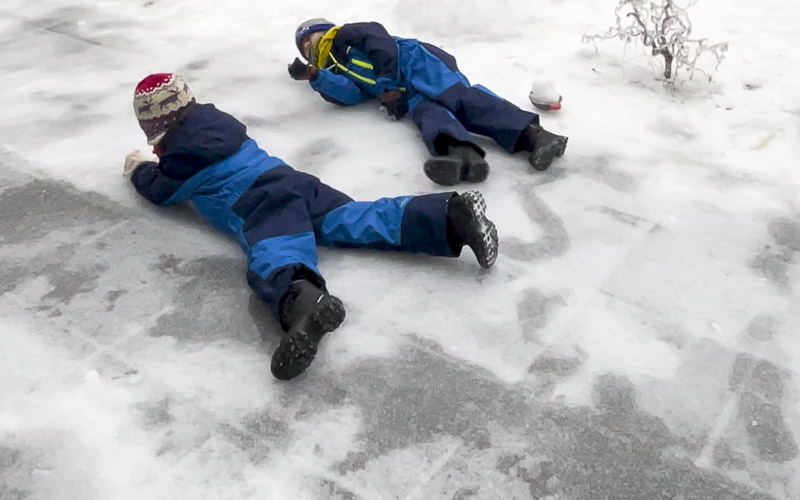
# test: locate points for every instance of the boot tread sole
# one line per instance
(487, 248)
(299, 347)
(542, 158)
(445, 171)
(449, 171)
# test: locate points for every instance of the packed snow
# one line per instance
(637, 339)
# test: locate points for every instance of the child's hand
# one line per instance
(394, 103)
(299, 70)
(133, 160)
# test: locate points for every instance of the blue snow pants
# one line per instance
(446, 108)
(287, 213)
(279, 215)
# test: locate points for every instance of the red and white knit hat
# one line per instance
(158, 101)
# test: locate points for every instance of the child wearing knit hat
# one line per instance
(279, 215)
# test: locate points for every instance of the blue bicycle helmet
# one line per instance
(308, 27)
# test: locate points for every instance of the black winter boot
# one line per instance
(467, 224)
(543, 145)
(307, 314)
(462, 162)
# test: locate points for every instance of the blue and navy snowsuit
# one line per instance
(277, 214)
(366, 61)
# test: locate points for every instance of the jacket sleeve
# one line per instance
(378, 44)
(337, 89)
(151, 183)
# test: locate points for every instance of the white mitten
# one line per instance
(134, 159)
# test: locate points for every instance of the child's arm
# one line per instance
(337, 89)
(334, 88)
(148, 179)
(154, 185)
(378, 44)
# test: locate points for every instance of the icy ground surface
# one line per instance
(639, 338)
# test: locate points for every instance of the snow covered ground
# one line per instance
(638, 339)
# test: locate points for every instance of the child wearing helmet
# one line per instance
(279, 215)
(351, 63)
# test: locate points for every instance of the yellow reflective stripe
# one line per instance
(351, 73)
(363, 64)
(362, 78)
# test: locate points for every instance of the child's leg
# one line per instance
(484, 113)
(279, 232)
(438, 126)
(456, 155)
(437, 77)
(436, 224)
(282, 263)
(406, 223)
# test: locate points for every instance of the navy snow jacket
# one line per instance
(365, 60)
(208, 159)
